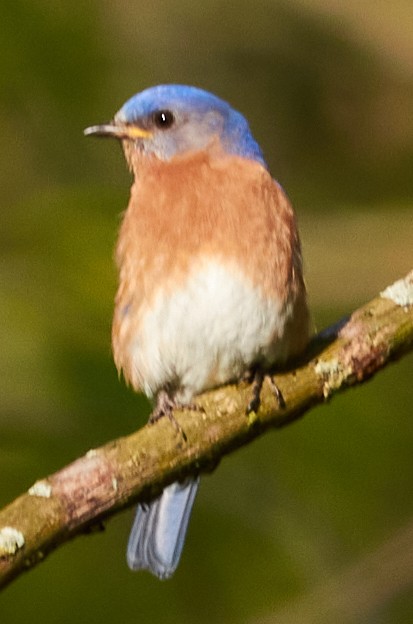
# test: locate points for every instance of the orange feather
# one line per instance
(205, 204)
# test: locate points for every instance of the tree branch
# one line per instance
(80, 496)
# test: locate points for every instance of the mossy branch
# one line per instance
(80, 496)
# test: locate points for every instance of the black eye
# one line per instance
(163, 119)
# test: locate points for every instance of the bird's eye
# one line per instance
(163, 119)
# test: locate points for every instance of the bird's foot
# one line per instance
(165, 406)
(258, 380)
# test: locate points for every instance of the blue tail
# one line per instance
(159, 529)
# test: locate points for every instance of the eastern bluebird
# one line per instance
(210, 273)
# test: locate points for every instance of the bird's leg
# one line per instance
(165, 406)
(277, 392)
(258, 380)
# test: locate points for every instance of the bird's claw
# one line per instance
(165, 406)
(258, 381)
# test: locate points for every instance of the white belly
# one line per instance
(207, 332)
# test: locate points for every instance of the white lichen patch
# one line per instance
(42, 489)
(334, 373)
(92, 453)
(11, 540)
(401, 292)
(227, 405)
(115, 484)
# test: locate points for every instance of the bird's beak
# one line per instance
(118, 131)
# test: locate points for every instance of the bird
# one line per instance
(211, 284)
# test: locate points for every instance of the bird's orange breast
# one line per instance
(200, 205)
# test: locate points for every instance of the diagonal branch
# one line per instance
(80, 496)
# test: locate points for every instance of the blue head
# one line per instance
(171, 119)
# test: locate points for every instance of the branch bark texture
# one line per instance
(80, 496)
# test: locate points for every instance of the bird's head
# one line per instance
(169, 120)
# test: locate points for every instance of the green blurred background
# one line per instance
(282, 529)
